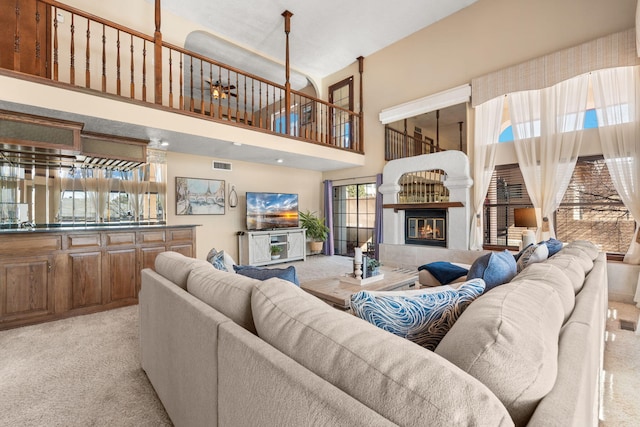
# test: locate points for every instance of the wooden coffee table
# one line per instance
(338, 294)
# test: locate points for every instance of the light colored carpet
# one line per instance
(81, 371)
(85, 371)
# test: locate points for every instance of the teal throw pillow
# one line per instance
(495, 268)
(262, 273)
(553, 246)
(422, 316)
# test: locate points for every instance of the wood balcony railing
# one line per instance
(69, 46)
(398, 145)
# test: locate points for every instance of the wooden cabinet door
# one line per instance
(296, 244)
(25, 289)
(34, 36)
(120, 274)
(86, 289)
(147, 260)
(259, 248)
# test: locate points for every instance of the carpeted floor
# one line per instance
(85, 371)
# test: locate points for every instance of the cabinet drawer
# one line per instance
(186, 234)
(76, 241)
(152, 237)
(115, 239)
(30, 244)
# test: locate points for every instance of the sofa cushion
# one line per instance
(508, 339)
(554, 276)
(423, 316)
(444, 272)
(581, 257)
(405, 383)
(175, 267)
(228, 293)
(260, 273)
(495, 268)
(572, 269)
(532, 254)
(589, 248)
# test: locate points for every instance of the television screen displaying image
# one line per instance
(271, 210)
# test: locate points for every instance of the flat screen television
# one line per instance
(266, 211)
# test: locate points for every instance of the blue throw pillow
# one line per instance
(423, 316)
(553, 246)
(444, 271)
(261, 273)
(496, 268)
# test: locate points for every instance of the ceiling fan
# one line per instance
(220, 91)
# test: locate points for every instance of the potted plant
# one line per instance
(275, 251)
(373, 267)
(316, 230)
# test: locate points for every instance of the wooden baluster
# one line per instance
(16, 39)
(118, 80)
(211, 106)
(72, 70)
(104, 60)
(132, 89)
(157, 74)
(253, 102)
(191, 101)
(237, 109)
(144, 70)
(260, 105)
(201, 89)
(245, 100)
(37, 65)
(55, 44)
(181, 83)
(170, 78)
(220, 114)
(87, 76)
(229, 117)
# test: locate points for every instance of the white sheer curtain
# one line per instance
(488, 118)
(616, 93)
(547, 128)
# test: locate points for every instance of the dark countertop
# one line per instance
(103, 227)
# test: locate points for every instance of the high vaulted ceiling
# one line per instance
(325, 36)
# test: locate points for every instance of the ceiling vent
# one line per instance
(217, 165)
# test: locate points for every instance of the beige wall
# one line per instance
(219, 231)
(488, 35)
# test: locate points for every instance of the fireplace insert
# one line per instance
(426, 227)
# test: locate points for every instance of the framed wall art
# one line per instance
(199, 196)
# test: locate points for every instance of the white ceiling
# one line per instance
(325, 36)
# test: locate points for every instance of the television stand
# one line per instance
(255, 246)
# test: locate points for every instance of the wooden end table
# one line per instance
(338, 294)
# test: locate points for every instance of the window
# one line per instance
(590, 210)
(354, 214)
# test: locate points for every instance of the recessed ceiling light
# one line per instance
(164, 144)
(279, 160)
(237, 144)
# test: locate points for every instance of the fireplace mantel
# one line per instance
(437, 205)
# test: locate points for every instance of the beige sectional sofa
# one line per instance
(222, 349)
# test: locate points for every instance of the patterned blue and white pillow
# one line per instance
(532, 254)
(423, 316)
(216, 258)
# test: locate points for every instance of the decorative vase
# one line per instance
(233, 197)
(275, 256)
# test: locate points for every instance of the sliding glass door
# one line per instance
(354, 212)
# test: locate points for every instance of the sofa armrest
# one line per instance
(178, 350)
